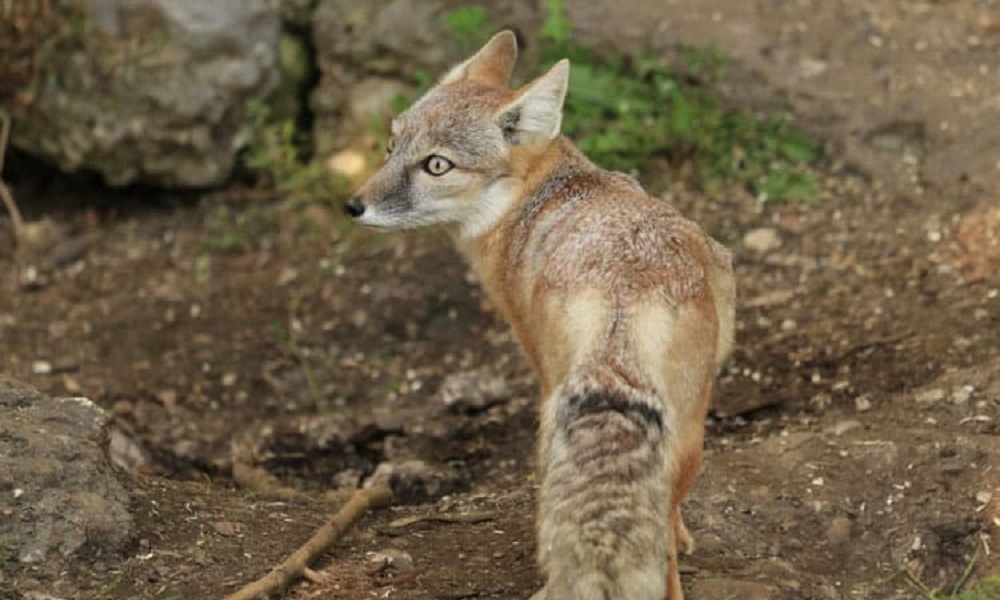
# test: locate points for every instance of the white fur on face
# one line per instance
(487, 211)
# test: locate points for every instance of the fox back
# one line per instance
(623, 306)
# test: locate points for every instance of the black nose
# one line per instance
(355, 207)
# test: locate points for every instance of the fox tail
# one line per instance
(605, 494)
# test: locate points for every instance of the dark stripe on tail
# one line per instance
(595, 402)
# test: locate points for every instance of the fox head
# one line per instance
(459, 154)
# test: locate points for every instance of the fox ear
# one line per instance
(492, 65)
(536, 113)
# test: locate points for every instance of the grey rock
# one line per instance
(838, 532)
(473, 391)
(390, 558)
(154, 91)
(415, 481)
(59, 496)
(387, 41)
(762, 240)
(14, 394)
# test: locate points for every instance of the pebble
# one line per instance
(762, 240)
(862, 404)
(842, 427)
(226, 528)
(390, 558)
(839, 530)
(929, 396)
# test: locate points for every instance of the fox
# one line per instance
(624, 308)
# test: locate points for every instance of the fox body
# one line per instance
(623, 306)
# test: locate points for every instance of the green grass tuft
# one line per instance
(624, 109)
(276, 152)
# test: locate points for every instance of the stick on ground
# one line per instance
(295, 565)
(5, 196)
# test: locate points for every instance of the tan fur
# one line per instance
(623, 306)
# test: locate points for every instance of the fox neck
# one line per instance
(528, 171)
(489, 250)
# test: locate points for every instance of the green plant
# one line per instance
(237, 230)
(469, 26)
(623, 109)
(987, 588)
(275, 151)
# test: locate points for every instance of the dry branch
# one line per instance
(5, 195)
(295, 565)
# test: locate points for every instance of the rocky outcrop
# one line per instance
(370, 52)
(59, 496)
(153, 91)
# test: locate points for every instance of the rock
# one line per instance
(839, 530)
(415, 481)
(368, 52)
(473, 391)
(842, 427)
(876, 455)
(725, 589)
(154, 91)
(390, 558)
(930, 396)
(59, 496)
(762, 240)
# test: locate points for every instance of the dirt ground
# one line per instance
(855, 435)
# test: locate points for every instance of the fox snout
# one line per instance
(355, 207)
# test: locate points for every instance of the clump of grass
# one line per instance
(987, 588)
(276, 152)
(623, 109)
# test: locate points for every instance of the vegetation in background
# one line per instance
(277, 151)
(623, 109)
(987, 588)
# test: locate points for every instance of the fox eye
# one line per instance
(437, 165)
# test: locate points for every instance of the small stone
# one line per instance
(877, 455)
(929, 396)
(350, 163)
(415, 481)
(226, 528)
(474, 391)
(842, 427)
(41, 367)
(839, 530)
(862, 404)
(762, 240)
(961, 395)
(390, 558)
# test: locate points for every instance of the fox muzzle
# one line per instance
(355, 207)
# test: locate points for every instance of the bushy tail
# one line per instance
(605, 496)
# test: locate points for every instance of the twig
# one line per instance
(965, 574)
(260, 481)
(477, 517)
(5, 195)
(925, 591)
(294, 566)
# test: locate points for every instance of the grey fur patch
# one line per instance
(590, 403)
(508, 123)
(399, 198)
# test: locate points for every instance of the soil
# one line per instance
(855, 435)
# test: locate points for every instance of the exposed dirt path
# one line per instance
(869, 340)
